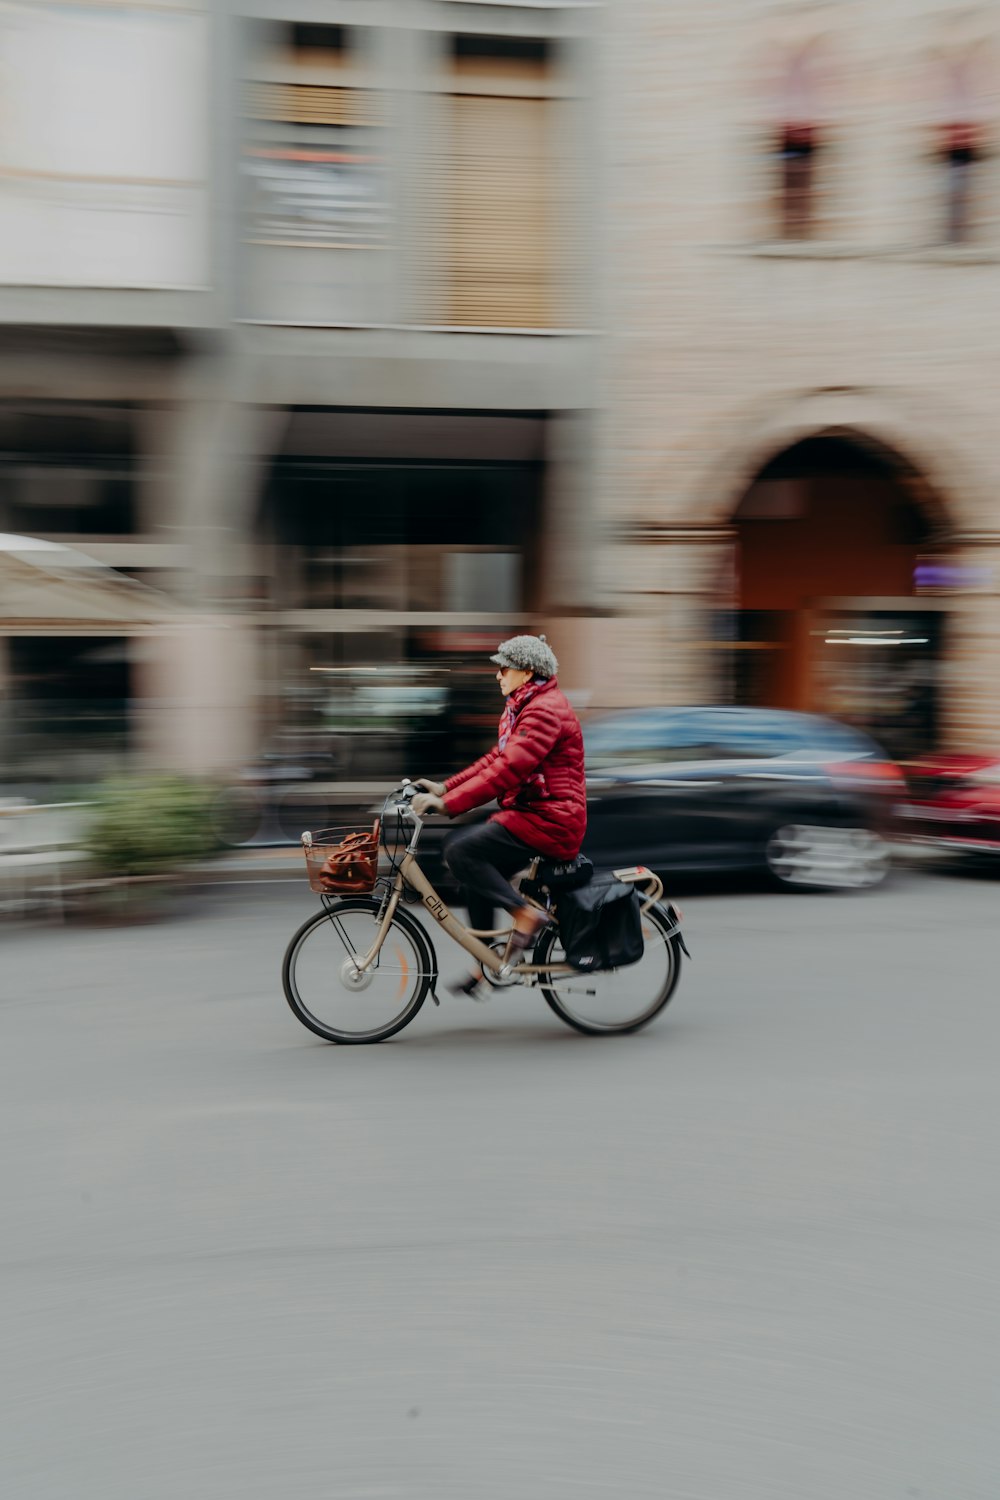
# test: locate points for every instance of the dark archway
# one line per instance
(829, 537)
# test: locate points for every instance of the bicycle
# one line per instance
(359, 970)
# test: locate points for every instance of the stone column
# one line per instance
(567, 546)
(406, 58)
(195, 690)
(196, 680)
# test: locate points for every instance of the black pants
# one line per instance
(482, 859)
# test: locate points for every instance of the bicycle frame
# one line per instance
(409, 873)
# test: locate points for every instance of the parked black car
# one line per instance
(719, 790)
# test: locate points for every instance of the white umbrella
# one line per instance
(46, 587)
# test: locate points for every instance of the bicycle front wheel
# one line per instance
(615, 1000)
(329, 994)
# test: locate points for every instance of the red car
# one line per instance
(954, 803)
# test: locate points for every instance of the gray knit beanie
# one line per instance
(527, 653)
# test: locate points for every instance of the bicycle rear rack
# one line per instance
(639, 875)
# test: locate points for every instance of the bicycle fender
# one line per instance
(675, 917)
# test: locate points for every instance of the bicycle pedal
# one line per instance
(468, 989)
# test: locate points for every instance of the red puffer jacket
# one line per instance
(537, 777)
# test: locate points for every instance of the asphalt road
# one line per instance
(749, 1253)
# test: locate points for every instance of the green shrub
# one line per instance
(150, 825)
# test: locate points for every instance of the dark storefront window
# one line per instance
(370, 706)
(69, 702)
(49, 500)
(455, 542)
(879, 671)
(435, 539)
(66, 470)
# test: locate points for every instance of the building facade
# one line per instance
(798, 435)
(372, 330)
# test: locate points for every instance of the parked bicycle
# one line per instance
(361, 968)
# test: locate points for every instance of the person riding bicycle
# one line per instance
(536, 773)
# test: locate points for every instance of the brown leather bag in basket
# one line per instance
(349, 869)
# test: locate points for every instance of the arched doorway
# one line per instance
(829, 537)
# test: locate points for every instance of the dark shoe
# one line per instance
(533, 920)
(468, 987)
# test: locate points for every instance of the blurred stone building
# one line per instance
(799, 440)
(372, 330)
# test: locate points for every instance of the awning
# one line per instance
(47, 588)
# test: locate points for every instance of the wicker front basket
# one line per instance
(342, 861)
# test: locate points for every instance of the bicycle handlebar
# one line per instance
(401, 801)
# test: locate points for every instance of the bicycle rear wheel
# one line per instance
(614, 1001)
(327, 993)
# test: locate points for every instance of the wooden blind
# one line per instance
(311, 104)
(497, 207)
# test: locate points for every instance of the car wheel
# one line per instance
(819, 857)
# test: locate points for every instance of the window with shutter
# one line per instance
(798, 145)
(964, 110)
(313, 158)
(311, 104)
(498, 251)
(496, 186)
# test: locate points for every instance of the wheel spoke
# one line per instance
(331, 995)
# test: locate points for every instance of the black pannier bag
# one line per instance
(601, 923)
